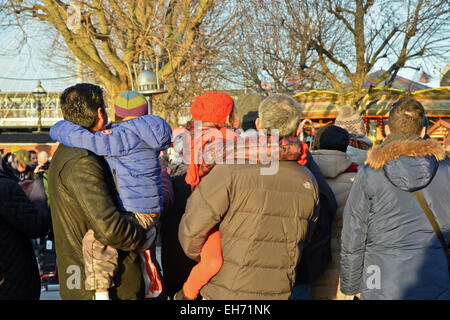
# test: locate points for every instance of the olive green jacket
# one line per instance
(264, 222)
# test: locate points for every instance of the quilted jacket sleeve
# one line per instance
(31, 218)
(154, 130)
(110, 226)
(354, 235)
(204, 210)
(113, 142)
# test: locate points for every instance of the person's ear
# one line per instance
(423, 132)
(101, 120)
(232, 119)
(387, 130)
(228, 120)
(236, 121)
(102, 116)
(298, 131)
(258, 123)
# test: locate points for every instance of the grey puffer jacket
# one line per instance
(334, 166)
(389, 249)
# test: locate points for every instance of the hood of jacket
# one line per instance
(409, 165)
(331, 162)
(6, 171)
(357, 155)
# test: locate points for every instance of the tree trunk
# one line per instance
(112, 89)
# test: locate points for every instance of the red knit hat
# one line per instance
(212, 107)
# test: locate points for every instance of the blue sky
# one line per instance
(32, 63)
(29, 63)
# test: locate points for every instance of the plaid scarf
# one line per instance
(207, 151)
(207, 134)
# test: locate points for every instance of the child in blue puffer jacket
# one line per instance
(131, 147)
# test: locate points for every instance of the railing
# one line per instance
(20, 117)
(30, 113)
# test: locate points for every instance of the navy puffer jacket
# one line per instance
(131, 149)
(389, 249)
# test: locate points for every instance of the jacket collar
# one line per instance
(331, 162)
(378, 156)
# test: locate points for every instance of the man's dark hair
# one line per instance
(406, 116)
(30, 153)
(79, 104)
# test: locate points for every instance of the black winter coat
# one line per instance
(176, 265)
(81, 198)
(20, 220)
(317, 253)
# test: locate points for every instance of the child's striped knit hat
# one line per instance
(130, 104)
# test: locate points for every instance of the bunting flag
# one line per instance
(425, 78)
(295, 80)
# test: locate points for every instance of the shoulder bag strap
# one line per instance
(432, 221)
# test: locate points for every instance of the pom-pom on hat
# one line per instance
(130, 104)
(212, 107)
(351, 121)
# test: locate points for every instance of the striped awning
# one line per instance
(323, 104)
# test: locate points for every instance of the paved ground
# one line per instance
(50, 295)
(54, 295)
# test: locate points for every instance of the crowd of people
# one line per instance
(241, 207)
(24, 221)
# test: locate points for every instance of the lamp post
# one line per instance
(39, 93)
(147, 81)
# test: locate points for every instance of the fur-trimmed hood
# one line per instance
(408, 164)
(378, 156)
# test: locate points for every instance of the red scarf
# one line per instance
(352, 168)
